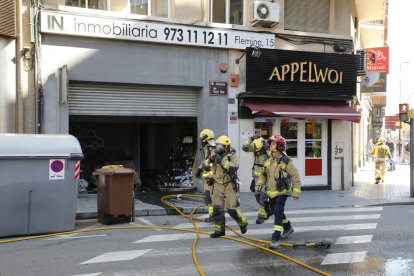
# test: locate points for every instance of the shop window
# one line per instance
(313, 148)
(289, 131)
(89, 4)
(263, 128)
(307, 15)
(227, 11)
(158, 8)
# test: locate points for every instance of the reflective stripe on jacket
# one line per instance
(380, 152)
(270, 177)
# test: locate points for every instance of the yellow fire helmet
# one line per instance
(381, 140)
(258, 144)
(207, 136)
(223, 140)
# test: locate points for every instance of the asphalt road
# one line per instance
(365, 241)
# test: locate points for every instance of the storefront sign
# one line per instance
(302, 75)
(116, 28)
(377, 59)
(374, 82)
(218, 88)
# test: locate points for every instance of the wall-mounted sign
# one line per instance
(218, 88)
(149, 31)
(56, 169)
(374, 82)
(301, 75)
(377, 59)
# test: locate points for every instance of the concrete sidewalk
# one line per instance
(364, 193)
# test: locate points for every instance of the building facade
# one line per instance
(138, 80)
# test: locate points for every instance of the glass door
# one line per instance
(307, 146)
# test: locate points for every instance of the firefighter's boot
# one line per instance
(274, 245)
(286, 233)
(219, 230)
(239, 218)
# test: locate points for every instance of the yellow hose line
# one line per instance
(245, 237)
(178, 229)
(193, 248)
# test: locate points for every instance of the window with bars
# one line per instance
(307, 15)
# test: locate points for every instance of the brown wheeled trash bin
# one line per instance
(115, 194)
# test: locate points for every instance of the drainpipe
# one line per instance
(19, 68)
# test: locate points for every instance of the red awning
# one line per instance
(302, 110)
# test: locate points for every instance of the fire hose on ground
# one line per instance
(245, 239)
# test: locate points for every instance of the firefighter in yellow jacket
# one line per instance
(258, 146)
(380, 152)
(208, 144)
(282, 180)
(223, 164)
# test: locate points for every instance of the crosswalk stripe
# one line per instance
(117, 256)
(147, 222)
(231, 222)
(89, 274)
(354, 239)
(253, 232)
(344, 258)
(317, 211)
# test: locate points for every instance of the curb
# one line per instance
(148, 212)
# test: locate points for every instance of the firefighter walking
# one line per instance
(258, 146)
(208, 144)
(223, 164)
(282, 180)
(380, 152)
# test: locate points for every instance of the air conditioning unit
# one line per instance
(361, 62)
(265, 13)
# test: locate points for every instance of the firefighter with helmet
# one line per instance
(380, 152)
(224, 163)
(208, 146)
(258, 146)
(282, 180)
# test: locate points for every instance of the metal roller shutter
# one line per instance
(307, 15)
(132, 100)
(8, 18)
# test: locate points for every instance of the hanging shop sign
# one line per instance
(302, 75)
(129, 29)
(218, 88)
(377, 59)
(374, 82)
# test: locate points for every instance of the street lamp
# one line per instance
(256, 52)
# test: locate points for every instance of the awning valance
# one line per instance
(304, 110)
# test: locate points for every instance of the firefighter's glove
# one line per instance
(210, 181)
(257, 189)
(252, 185)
